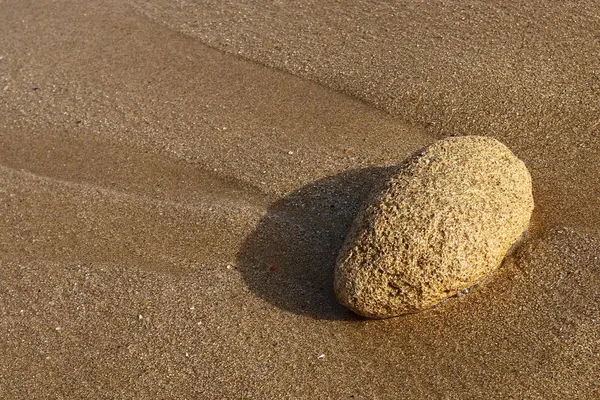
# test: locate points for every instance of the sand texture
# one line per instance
(177, 179)
(438, 226)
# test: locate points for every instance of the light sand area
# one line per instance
(170, 212)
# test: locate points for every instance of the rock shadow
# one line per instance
(288, 260)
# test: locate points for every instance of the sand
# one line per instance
(176, 182)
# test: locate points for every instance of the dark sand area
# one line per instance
(176, 181)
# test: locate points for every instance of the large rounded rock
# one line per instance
(438, 226)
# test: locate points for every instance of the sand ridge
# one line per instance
(524, 73)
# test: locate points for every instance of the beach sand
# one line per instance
(177, 179)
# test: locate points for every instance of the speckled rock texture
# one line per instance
(445, 220)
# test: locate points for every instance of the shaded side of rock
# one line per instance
(445, 220)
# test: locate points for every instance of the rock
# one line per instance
(445, 220)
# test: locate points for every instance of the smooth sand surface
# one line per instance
(176, 179)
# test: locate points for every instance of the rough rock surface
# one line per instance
(438, 226)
